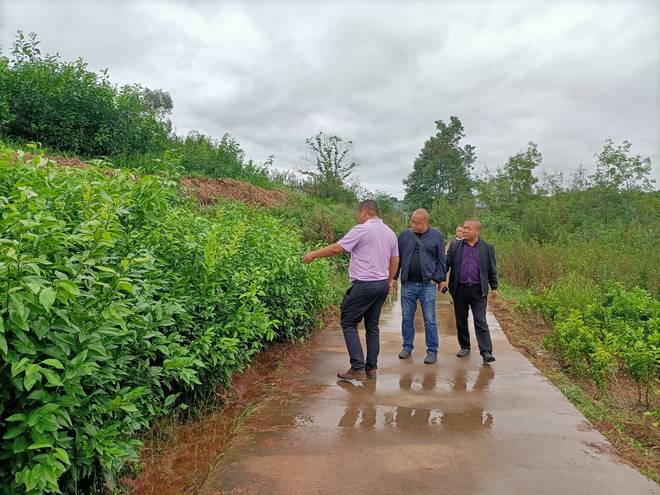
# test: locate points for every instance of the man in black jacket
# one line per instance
(472, 265)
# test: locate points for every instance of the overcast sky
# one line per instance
(564, 75)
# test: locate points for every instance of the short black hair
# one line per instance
(369, 206)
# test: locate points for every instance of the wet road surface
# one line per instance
(455, 427)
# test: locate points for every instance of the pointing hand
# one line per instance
(309, 257)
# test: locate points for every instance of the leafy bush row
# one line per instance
(597, 334)
(121, 302)
(626, 254)
(67, 107)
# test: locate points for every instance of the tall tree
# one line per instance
(513, 185)
(442, 169)
(517, 178)
(617, 170)
(331, 158)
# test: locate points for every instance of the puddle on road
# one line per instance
(361, 411)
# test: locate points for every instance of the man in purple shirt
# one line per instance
(374, 260)
(472, 266)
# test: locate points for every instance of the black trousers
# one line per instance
(469, 298)
(363, 300)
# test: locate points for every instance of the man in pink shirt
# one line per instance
(374, 260)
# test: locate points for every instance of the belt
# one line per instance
(468, 285)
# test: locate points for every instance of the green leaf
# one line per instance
(54, 363)
(34, 287)
(106, 269)
(62, 455)
(3, 344)
(125, 286)
(69, 287)
(13, 432)
(170, 400)
(40, 395)
(18, 316)
(40, 445)
(16, 417)
(17, 367)
(129, 408)
(90, 429)
(79, 359)
(52, 377)
(32, 374)
(29, 381)
(20, 445)
(47, 298)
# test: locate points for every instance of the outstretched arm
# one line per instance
(326, 252)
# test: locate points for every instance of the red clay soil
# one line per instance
(63, 161)
(205, 190)
(208, 190)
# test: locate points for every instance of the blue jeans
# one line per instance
(425, 293)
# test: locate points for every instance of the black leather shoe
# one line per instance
(463, 353)
(488, 357)
(353, 374)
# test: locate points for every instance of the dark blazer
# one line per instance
(431, 256)
(487, 266)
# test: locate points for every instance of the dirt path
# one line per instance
(456, 427)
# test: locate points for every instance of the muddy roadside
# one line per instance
(178, 456)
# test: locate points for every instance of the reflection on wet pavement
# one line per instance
(363, 413)
(454, 427)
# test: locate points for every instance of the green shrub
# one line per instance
(319, 221)
(573, 342)
(592, 334)
(568, 293)
(640, 356)
(198, 154)
(120, 303)
(65, 106)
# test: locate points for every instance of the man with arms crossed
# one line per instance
(471, 263)
(374, 260)
(421, 267)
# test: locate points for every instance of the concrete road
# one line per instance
(456, 427)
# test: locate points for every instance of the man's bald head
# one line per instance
(419, 221)
(422, 214)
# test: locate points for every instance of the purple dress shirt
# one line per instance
(470, 264)
(371, 245)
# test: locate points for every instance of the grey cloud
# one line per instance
(566, 75)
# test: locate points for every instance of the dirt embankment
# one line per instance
(206, 191)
